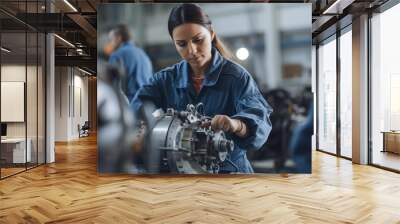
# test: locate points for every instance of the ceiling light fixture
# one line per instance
(84, 71)
(65, 41)
(70, 5)
(5, 50)
(337, 7)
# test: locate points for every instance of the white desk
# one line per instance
(18, 149)
(391, 141)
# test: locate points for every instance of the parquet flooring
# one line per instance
(71, 191)
(10, 171)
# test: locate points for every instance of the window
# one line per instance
(385, 89)
(346, 93)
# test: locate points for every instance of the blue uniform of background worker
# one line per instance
(300, 143)
(135, 62)
(227, 91)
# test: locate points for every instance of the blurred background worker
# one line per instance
(134, 61)
(300, 145)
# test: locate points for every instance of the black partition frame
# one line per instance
(43, 119)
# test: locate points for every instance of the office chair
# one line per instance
(84, 130)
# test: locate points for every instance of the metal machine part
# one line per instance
(180, 143)
(117, 127)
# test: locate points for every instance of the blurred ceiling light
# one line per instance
(78, 44)
(65, 41)
(242, 53)
(84, 71)
(70, 5)
(5, 50)
(80, 51)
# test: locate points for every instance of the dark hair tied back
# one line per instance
(192, 13)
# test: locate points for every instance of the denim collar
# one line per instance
(126, 43)
(211, 76)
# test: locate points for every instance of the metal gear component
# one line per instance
(178, 143)
(221, 145)
(117, 130)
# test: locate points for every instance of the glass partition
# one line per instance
(327, 96)
(22, 78)
(13, 105)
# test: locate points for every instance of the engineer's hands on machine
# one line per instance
(227, 124)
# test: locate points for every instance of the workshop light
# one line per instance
(65, 41)
(242, 53)
(5, 50)
(70, 5)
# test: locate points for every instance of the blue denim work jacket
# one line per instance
(228, 89)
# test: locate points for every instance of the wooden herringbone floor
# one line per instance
(70, 191)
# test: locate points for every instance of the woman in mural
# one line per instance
(228, 92)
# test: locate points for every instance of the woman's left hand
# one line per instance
(224, 123)
(227, 124)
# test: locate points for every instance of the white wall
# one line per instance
(79, 117)
(70, 83)
(61, 103)
(33, 126)
(12, 73)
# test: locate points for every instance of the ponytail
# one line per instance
(222, 49)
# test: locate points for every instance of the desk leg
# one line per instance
(384, 143)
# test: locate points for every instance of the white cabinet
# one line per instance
(16, 146)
